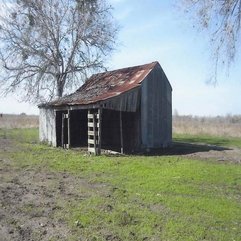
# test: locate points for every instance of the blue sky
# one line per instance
(152, 30)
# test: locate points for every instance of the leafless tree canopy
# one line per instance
(222, 19)
(47, 47)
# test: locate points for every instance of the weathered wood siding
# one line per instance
(146, 117)
(47, 126)
(128, 101)
(156, 110)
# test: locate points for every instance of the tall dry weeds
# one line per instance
(216, 126)
(18, 121)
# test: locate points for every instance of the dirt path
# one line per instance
(230, 155)
(28, 199)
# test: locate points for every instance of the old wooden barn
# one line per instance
(124, 110)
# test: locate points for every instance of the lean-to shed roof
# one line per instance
(103, 86)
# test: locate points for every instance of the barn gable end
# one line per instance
(156, 110)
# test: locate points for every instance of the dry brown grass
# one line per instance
(229, 126)
(214, 126)
(18, 121)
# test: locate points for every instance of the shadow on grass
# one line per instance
(184, 148)
(209, 140)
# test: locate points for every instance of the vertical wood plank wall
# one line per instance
(47, 126)
(156, 110)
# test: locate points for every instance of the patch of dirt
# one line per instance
(201, 152)
(6, 144)
(226, 155)
(30, 200)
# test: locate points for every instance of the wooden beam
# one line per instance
(91, 116)
(91, 149)
(121, 133)
(99, 130)
(94, 130)
(90, 141)
(91, 124)
(62, 131)
(69, 129)
(91, 133)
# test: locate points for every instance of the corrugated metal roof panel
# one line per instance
(103, 86)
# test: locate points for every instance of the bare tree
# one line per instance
(47, 47)
(222, 19)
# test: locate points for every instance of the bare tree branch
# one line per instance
(222, 20)
(48, 46)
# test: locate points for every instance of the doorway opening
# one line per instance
(119, 130)
(71, 128)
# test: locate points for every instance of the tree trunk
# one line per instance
(60, 84)
(59, 90)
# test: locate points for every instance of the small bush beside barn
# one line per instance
(124, 110)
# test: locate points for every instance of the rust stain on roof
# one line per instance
(106, 85)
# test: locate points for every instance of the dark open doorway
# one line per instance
(71, 128)
(111, 130)
(118, 129)
(78, 128)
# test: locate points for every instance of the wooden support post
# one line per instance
(89, 132)
(121, 133)
(68, 128)
(94, 130)
(99, 130)
(62, 133)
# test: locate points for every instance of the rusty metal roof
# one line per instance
(103, 86)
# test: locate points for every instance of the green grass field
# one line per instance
(142, 197)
